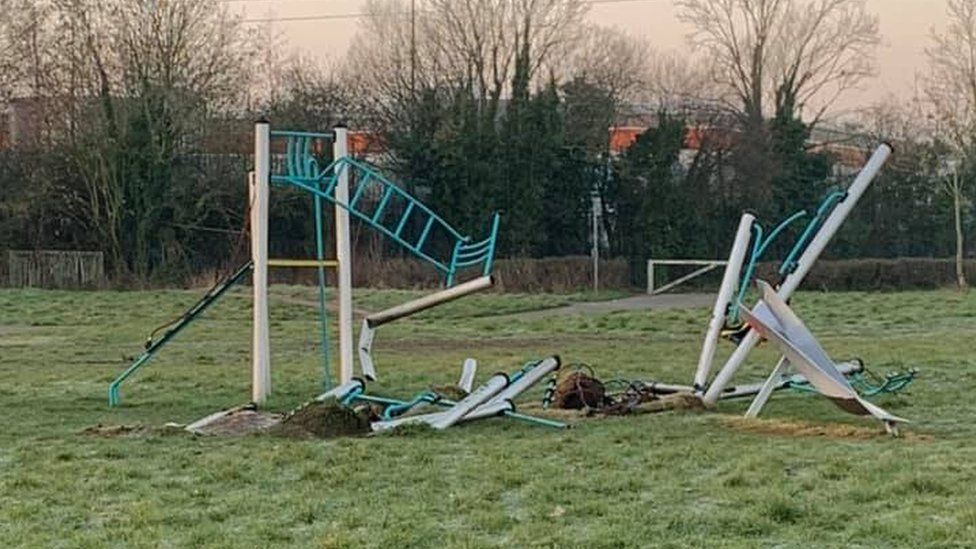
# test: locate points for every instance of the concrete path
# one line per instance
(634, 303)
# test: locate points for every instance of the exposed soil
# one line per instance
(659, 302)
(327, 419)
(113, 431)
(826, 430)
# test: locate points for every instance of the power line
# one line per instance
(360, 15)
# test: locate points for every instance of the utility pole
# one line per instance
(413, 47)
(595, 249)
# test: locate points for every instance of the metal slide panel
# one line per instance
(822, 375)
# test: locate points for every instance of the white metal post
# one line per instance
(259, 195)
(804, 264)
(344, 256)
(726, 293)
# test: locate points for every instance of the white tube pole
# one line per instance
(726, 293)
(528, 379)
(344, 256)
(261, 346)
(478, 397)
(397, 312)
(804, 264)
(340, 391)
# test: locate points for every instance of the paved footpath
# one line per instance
(633, 303)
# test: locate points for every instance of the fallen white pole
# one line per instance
(259, 194)
(340, 391)
(726, 293)
(368, 330)
(340, 149)
(489, 409)
(528, 379)
(468, 371)
(376, 320)
(803, 265)
(478, 397)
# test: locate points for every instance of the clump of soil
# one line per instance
(807, 429)
(578, 390)
(327, 419)
(450, 392)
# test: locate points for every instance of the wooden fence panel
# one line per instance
(55, 269)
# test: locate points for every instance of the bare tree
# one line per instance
(771, 55)
(610, 59)
(125, 87)
(951, 90)
(461, 44)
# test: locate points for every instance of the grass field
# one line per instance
(679, 479)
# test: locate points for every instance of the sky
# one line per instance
(905, 30)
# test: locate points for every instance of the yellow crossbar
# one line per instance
(332, 263)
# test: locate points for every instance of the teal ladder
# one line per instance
(301, 170)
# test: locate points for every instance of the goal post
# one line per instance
(704, 266)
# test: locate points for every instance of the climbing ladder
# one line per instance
(372, 199)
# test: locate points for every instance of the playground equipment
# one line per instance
(812, 242)
(297, 159)
(773, 319)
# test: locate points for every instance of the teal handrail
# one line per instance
(789, 264)
(184, 320)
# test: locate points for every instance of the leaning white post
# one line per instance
(259, 195)
(804, 264)
(726, 293)
(343, 254)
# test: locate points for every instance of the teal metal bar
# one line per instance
(198, 308)
(493, 236)
(359, 191)
(789, 264)
(423, 236)
(403, 220)
(379, 209)
(283, 133)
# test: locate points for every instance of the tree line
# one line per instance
(139, 114)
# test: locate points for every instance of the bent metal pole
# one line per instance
(730, 282)
(376, 320)
(804, 264)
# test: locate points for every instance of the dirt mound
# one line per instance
(327, 419)
(806, 429)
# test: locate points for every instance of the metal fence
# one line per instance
(55, 269)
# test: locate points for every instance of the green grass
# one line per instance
(682, 479)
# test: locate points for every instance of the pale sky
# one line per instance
(905, 28)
